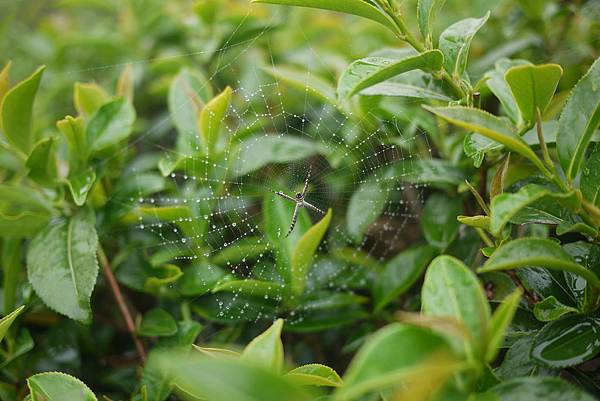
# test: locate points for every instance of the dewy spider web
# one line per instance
(357, 169)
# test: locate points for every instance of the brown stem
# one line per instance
(116, 290)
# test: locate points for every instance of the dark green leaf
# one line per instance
(400, 273)
(590, 177)
(438, 220)
(251, 288)
(157, 323)
(535, 389)
(110, 124)
(365, 206)
(568, 341)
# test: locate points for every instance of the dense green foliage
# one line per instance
(481, 116)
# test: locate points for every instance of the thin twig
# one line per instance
(116, 290)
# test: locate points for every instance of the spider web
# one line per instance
(273, 134)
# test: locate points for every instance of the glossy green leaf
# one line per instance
(110, 124)
(426, 13)
(259, 151)
(496, 82)
(534, 389)
(62, 265)
(355, 7)
(551, 309)
(568, 341)
(452, 290)
(8, 320)
(501, 319)
(533, 87)
(540, 252)
(315, 374)
(304, 253)
(517, 361)
(578, 121)
(80, 184)
(455, 43)
(157, 323)
(16, 111)
(23, 211)
(89, 97)
(211, 120)
(507, 205)
(188, 93)
(489, 126)
(55, 386)
(400, 273)
(252, 288)
(266, 350)
(438, 220)
(370, 71)
(590, 177)
(42, 162)
(394, 353)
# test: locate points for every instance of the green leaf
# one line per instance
(496, 82)
(211, 120)
(426, 13)
(489, 126)
(360, 8)
(188, 93)
(533, 87)
(315, 374)
(242, 250)
(8, 320)
(451, 290)
(307, 83)
(517, 361)
(534, 389)
(80, 185)
(16, 111)
(74, 131)
(507, 205)
(266, 350)
(551, 309)
(89, 97)
(369, 71)
(475, 221)
(540, 252)
(250, 287)
(365, 206)
(110, 124)
(399, 89)
(11, 255)
(455, 42)
(4, 80)
(395, 353)
(438, 220)
(400, 273)
(55, 386)
(568, 341)
(226, 379)
(501, 319)
(258, 151)
(578, 121)
(42, 162)
(164, 275)
(62, 265)
(23, 212)
(157, 323)
(436, 172)
(590, 177)
(198, 279)
(304, 253)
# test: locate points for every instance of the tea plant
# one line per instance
(443, 244)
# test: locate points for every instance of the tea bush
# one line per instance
(362, 200)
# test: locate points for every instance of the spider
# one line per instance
(299, 200)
